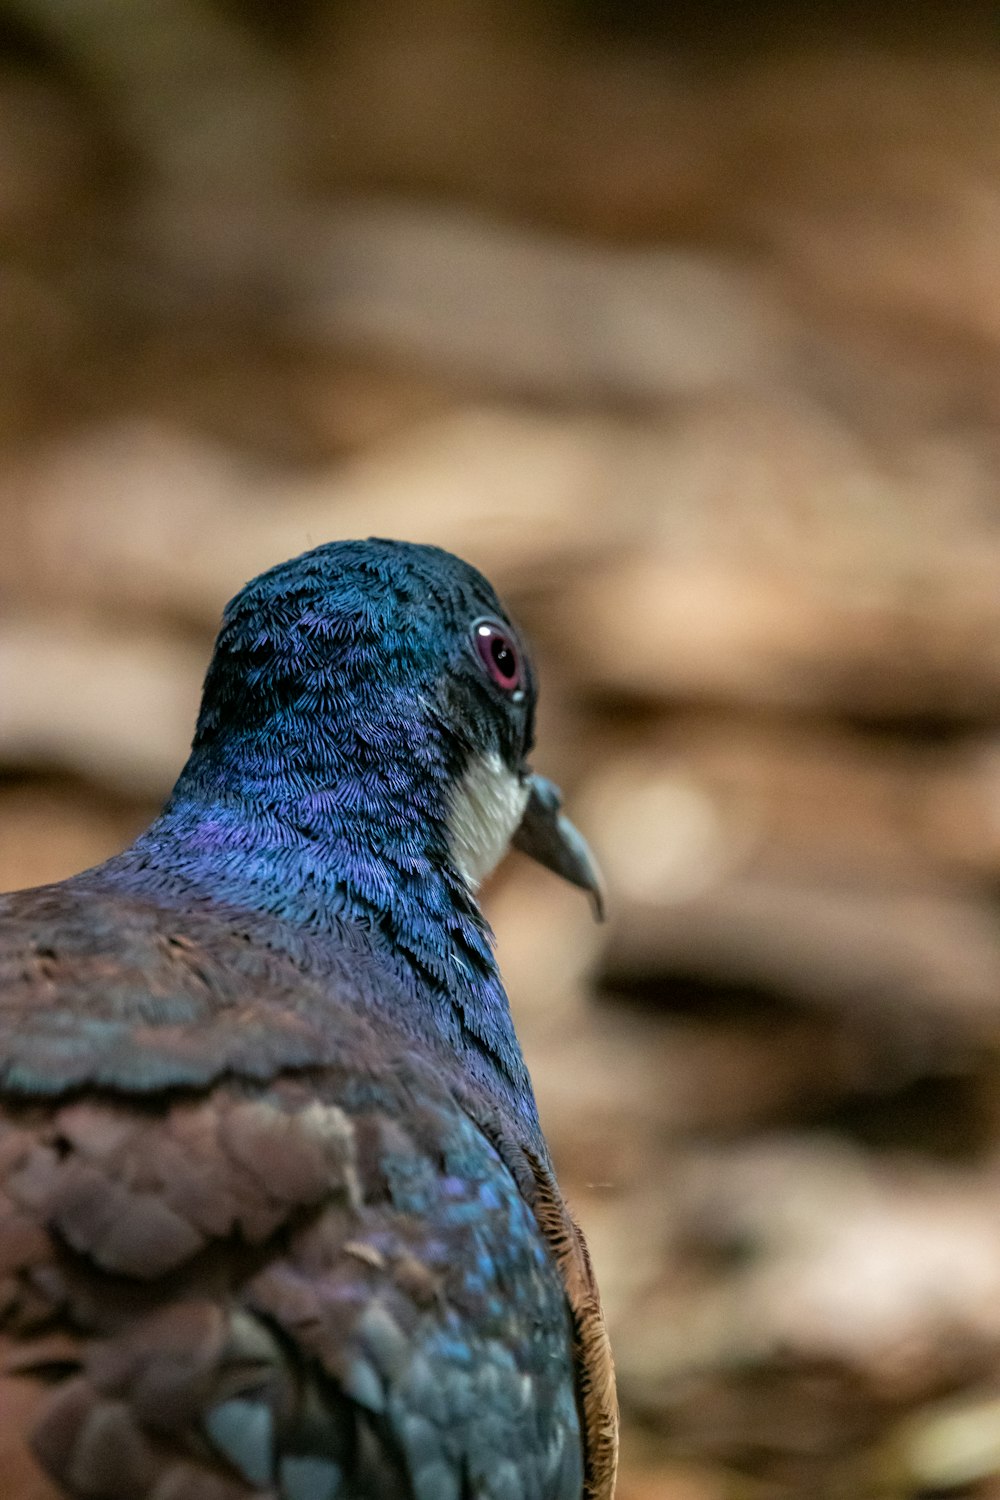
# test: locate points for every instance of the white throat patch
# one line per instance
(487, 808)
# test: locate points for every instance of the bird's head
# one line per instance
(382, 684)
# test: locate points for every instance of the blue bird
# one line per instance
(277, 1218)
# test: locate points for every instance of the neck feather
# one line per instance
(351, 832)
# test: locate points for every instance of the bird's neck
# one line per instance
(334, 841)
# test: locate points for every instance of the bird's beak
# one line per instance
(551, 839)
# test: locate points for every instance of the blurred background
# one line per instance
(683, 323)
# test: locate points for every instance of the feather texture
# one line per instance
(276, 1214)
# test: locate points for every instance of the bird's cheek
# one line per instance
(486, 809)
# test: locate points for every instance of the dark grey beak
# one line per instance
(551, 839)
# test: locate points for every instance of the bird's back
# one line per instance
(254, 1236)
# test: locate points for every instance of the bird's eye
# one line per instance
(499, 654)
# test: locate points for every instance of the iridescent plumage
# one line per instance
(276, 1213)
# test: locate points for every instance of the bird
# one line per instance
(277, 1215)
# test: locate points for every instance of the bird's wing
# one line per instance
(595, 1370)
(248, 1247)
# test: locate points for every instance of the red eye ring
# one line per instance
(499, 654)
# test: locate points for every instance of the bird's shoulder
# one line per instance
(108, 989)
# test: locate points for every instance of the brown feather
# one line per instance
(237, 1237)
